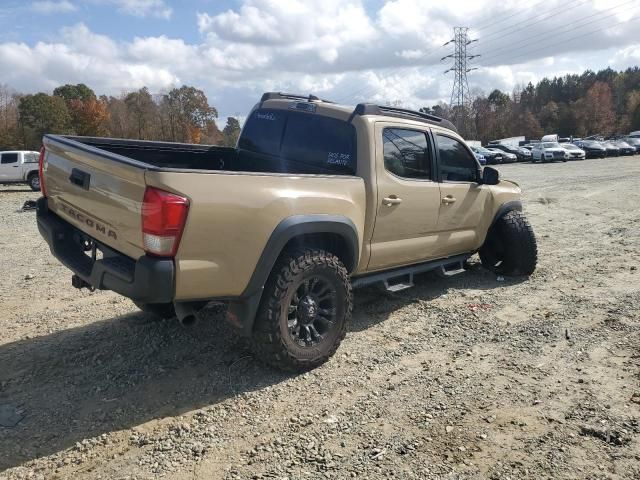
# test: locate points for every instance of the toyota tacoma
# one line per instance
(315, 200)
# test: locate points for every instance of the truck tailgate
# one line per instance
(99, 193)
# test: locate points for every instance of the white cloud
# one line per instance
(51, 6)
(143, 8)
(335, 48)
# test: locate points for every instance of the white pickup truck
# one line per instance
(20, 166)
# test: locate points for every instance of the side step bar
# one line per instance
(402, 278)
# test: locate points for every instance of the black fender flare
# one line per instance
(506, 208)
(242, 311)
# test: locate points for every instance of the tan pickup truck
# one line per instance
(316, 198)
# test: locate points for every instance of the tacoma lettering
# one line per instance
(99, 227)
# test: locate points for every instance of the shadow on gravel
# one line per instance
(374, 305)
(118, 373)
(17, 190)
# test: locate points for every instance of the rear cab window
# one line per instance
(8, 158)
(299, 142)
(406, 153)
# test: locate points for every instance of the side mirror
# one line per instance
(490, 176)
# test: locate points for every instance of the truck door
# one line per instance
(10, 168)
(463, 201)
(406, 222)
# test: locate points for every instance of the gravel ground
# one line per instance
(468, 377)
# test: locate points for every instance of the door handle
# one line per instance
(448, 200)
(391, 200)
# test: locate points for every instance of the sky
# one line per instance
(345, 50)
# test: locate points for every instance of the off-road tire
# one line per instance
(34, 182)
(271, 340)
(510, 247)
(159, 310)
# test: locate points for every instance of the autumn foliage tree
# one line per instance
(88, 114)
(596, 110)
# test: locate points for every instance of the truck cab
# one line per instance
(20, 166)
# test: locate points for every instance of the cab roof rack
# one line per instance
(372, 109)
(291, 96)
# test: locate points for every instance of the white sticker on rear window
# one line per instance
(265, 116)
(335, 158)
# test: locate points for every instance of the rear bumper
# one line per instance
(146, 280)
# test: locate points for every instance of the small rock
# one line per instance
(449, 429)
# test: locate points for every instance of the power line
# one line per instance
(529, 23)
(368, 89)
(575, 27)
(591, 32)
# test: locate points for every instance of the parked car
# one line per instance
(549, 152)
(624, 147)
(20, 166)
(491, 157)
(592, 148)
(612, 149)
(575, 153)
(506, 156)
(480, 158)
(634, 142)
(284, 225)
(517, 151)
(526, 154)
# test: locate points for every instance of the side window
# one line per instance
(456, 163)
(406, 153)
(31, 158)
(9, 158)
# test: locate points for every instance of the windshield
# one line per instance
(570, 146)
(633, 141)
(551, 145)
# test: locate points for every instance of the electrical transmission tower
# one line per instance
(460, 93)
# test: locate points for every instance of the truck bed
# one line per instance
(97, 186)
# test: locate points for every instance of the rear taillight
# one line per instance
(41, 171)
(164, 215)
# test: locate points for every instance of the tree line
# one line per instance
(180, 115)
(605, 102)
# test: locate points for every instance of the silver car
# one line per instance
(575, 153)
(549, 152)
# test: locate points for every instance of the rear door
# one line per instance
(10, 168)
(98, 192)
(462, 198)
(408, 197)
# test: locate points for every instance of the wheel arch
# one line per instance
(506, 208)
(334, 233)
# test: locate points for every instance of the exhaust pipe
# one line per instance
(187, 313)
